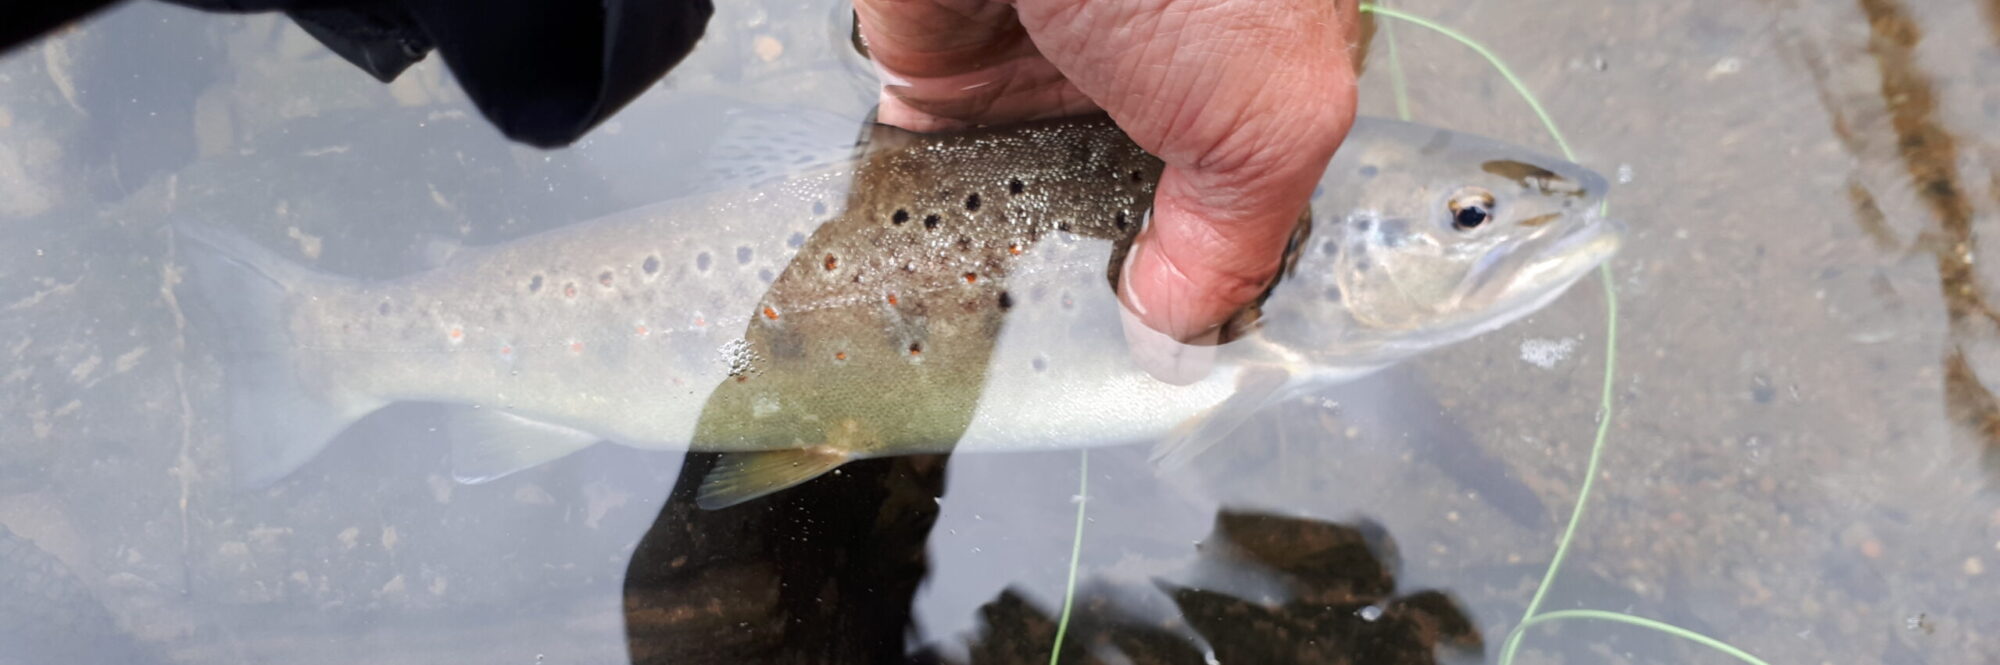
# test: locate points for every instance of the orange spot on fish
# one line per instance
(769, 313)
(892, 299)
(457, 334)
(700, 322)
(971, 277)
(576, 347)
(831, 262)
(916, 349)
(507, 350)
(840, 355)
(642, 331)
(1014, 249)
(569, 290)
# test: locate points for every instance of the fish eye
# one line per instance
(1470, 208)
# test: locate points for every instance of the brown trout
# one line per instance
(933, 293)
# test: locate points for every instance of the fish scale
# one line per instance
(933, 293)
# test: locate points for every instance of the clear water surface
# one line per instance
(1801, 459)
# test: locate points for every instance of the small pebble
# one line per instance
(1725, 67)
(768, 48)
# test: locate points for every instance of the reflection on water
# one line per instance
(1804, 395)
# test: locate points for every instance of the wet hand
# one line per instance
(1245, 101)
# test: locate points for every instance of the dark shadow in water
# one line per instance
(1340, 607)
(826, 572)
(821, 573)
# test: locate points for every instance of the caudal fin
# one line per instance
(279, 417)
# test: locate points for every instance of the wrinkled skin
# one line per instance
(1245, 101)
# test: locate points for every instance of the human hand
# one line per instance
(1245, 101)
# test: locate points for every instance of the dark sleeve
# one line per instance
(22, 21)
(543, 71)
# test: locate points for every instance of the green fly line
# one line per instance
(1533, 615)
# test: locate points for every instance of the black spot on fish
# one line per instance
(796, 240)
(1062, 226)
(972, 202)
(931, 221)
(1332, 294)
(1015, 186)
(651, 266)
(1006, 301)
(819, 208)
(702, 261)
(765, 275)
(535, 284)
(916, 348)
(604, 278)
(964, 244)
(1138, 176)
(900, 216)
(1119, 220)
(383, 308)
(743, 255)
(1368, 171)
(1039, 363)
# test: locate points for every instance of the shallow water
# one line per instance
(1800, 460)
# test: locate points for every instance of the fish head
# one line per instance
(1437, 236)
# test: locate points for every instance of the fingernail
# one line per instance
(1164, 357)
(1124, 273)
(1157, 353)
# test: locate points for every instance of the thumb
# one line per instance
(1218, 230)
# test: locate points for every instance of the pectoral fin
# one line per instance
(1254, 389)
(741, 477)
(487, 444)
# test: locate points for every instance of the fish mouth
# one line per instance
(1548, 262)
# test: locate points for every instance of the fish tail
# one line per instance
(280, 414)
